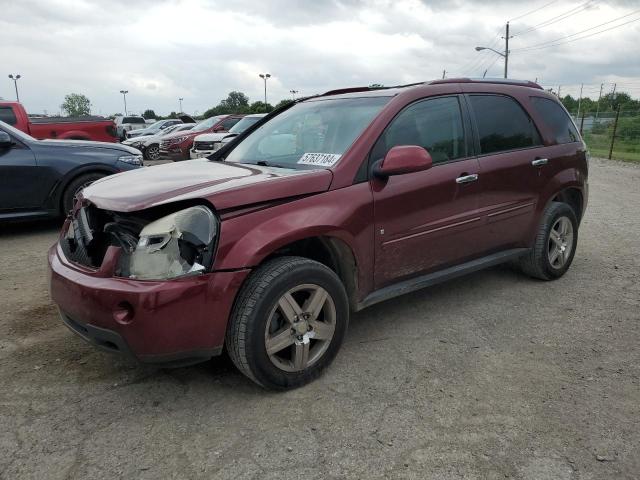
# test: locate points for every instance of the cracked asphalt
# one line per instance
(491, 376)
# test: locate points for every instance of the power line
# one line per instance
(574, 34)
(581, 38)
(557, 18)
(533, 11)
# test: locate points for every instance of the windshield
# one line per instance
(156, 125)
(208, 123)
(243, 124)
(313, 133)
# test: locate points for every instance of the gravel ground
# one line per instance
(486, 377)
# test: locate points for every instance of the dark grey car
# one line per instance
(40, 178)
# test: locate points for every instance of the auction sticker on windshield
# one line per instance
(321, 159)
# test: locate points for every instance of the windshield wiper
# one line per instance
(264, 163)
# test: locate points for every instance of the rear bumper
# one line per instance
(173, 323)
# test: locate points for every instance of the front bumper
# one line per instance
(175, 152)
(194, 154)
(174, 322)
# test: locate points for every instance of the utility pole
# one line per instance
(615, 127)
(15, 84)
(579, 101)
(559, 87)
(180, 100)
(506, 51)
(444, 74)
(599, 97)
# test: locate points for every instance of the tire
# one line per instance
(76, 185)
(152, 152)
(264, 314)
(555, 243)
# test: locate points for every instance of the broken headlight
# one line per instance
(174, 246)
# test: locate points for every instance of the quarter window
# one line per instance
(229, 122)
(7, 115)
(562, 128)
(434, 124)
(502, 124)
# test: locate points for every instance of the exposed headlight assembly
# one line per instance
(174, 246)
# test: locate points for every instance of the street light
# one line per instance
(504, 55)
(265, 76)
(180, 100)
(15, 84)
(293, 93)
(124, 96)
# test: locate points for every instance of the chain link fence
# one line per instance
(611, 134)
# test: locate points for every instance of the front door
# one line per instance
(426, 220)
(20, 179)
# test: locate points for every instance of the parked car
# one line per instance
(149, 145)
(333, 204)
(159, 126)
(127, 124)
(207, 143)
(176, 147)
(62, 128)
(40, 178)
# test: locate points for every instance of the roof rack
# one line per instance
(367, 89)
(500, 81)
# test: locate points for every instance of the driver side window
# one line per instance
(434, 124)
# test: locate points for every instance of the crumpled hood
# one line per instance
(225, 185)
(88, 143)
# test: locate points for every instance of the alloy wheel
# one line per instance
(560, 242)
(300, 328)
(153, 152)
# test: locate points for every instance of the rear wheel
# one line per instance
(555, 243)
(75, 187)
(288, 322)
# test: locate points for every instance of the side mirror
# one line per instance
(5, 140)
(219, 128)
(403, 159)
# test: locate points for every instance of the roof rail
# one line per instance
(500, 81)
(367, 89)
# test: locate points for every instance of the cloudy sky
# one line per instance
(200, 50)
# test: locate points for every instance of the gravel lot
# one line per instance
(490, 376)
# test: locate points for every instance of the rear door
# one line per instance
(426, 220)
(21, 182)
(511, 155)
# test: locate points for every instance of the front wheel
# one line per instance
(75, 187)
(555, 243)
(288, 322)
(152, 152)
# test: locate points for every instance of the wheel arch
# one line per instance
(573, 197)
(60, 188)
(331, 251)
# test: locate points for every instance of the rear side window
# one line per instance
(133, 120)
(7, 115)
(434, 124)
(563, 129)
(502, 124)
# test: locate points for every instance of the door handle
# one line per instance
(538, 162)
(467, 178)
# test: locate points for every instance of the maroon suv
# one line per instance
(327, 206)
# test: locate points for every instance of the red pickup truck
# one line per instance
(63, 128)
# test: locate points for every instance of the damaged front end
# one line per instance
(153, 245)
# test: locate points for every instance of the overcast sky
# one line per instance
(200, 50)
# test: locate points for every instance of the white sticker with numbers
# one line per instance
(319, 159)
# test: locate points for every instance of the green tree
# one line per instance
(236, 102)
(76, 105)
(282, 103)
(173, 115)
(149, 114)
(260, 107)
